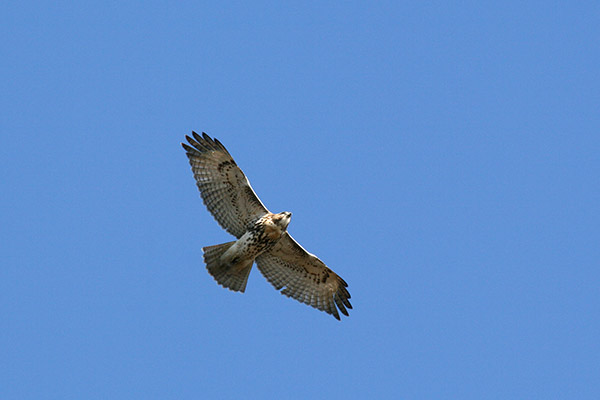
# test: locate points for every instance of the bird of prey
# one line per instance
(261, 235)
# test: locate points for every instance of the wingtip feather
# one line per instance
(187, 148)
(196, 136)
(347, 303)
(340, 305)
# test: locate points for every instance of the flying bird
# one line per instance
(262, 236)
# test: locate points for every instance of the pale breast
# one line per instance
(256, 241)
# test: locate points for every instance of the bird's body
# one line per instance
(261, 235)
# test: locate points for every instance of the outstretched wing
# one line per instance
(223, 186)
(304, 277)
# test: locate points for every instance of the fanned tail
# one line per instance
(230, 276)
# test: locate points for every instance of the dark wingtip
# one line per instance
(196, 136)
(190, 140)
(205, 142)
(187, 148)
(340, 304)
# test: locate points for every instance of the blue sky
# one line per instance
(442, 157)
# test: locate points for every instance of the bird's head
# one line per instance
(283, 219)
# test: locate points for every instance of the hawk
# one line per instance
(262, 236)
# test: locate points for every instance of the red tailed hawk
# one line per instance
(261, 235)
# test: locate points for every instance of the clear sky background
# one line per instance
(442, 157)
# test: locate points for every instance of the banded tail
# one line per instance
(230, 276)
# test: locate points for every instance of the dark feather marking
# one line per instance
(325, 275)
(225, 164)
